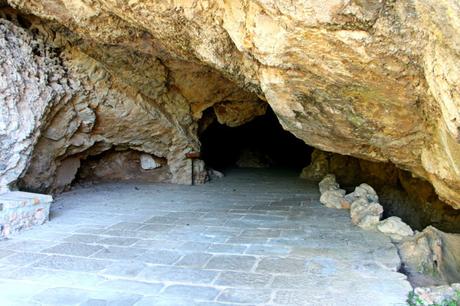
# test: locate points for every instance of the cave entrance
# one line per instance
(260, 143)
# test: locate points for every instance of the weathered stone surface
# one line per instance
(124, 119)
(365, 214)
(400, 193)
(148, 162)
(334, 199)
(318, 168)
(122, 165)
(363, 191)
(328, 183)
(32, 81)
(99, 112)
(431, 257)
(237, 113)
(372, 79)
(22, 210)
(395, 228)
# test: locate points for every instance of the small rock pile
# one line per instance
(365, 210)
(430, 254)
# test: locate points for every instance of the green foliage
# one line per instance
(414, 300)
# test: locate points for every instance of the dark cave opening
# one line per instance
(260, 143)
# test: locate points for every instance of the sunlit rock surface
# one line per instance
(377, 80)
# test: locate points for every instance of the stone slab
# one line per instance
(267, 243)
(21, 210)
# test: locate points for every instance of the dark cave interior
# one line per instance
(265, 139)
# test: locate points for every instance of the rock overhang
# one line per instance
(375, 80)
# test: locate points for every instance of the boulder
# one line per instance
(334, 199)
(148, 162)
(431, 257)
(395, 228)
(328, 183)
(365, 214)
(365, 191)
(318, 168)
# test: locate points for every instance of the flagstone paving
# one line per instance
(252, 238)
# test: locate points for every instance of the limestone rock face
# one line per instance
(238, 113)
(104, 113)
(74, 108)
(32, 82)
(431, 253)
(377, 80)
(123, 165)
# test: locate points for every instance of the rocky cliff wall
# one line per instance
(374, 79)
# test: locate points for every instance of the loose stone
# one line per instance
(395, 228)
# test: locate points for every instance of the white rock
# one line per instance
(148, 162)
(395, 228)
(369, 222)
(364, 214)
(334, 199)
(363, 191)
(328, 183)
(367, 188)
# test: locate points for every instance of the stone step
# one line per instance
(20, 210)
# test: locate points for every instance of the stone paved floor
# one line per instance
(252, 238)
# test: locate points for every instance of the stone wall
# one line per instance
(22, 210)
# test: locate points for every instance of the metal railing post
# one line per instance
(192, 155)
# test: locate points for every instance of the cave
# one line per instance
(254, 136)
(260, 143)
